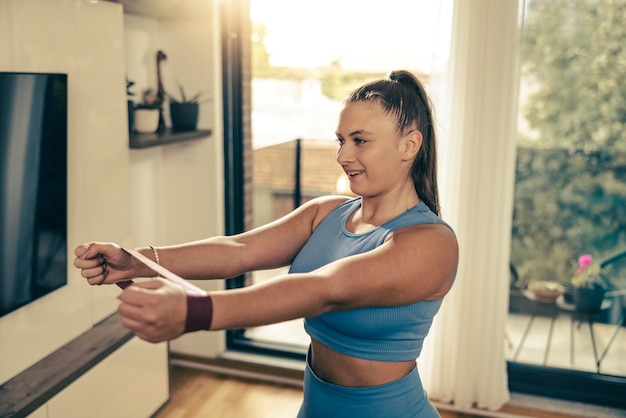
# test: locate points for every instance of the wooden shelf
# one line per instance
(139, 141)
(38, 384)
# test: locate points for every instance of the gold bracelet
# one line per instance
(156, 258)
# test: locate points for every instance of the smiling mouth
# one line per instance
(354, 173)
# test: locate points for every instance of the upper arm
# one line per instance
(270, 246)
(277, 243)
(416, 263)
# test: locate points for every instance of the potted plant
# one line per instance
(147, 112)
(589, 285)
(184, 110)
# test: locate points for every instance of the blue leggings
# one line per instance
(402, 398)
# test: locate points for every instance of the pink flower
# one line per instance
(584, 261)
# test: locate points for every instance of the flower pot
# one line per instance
(184, 116)
(545, 291)
(146, 120)
(568, 293)
(589, 299)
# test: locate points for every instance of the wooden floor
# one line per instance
(197, 393)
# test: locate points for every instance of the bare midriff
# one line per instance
(339, 369)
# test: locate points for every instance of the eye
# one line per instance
(340, 141)
(359, 141)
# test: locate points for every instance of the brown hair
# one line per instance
(404, 96)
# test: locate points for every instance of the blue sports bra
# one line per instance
(378, 333)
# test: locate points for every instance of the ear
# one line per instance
(411, 144)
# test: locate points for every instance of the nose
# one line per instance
(344, 154)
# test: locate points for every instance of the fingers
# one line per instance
(89, 250)
(100, 261)
(87, 259)
(95, 270)
(143, 294)
(154, 310)
(81, 250)
(137, 320)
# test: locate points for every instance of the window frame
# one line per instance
(236, 79)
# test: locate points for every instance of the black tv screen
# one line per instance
(33, 187)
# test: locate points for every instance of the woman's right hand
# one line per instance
(104, 263)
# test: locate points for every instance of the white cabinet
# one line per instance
(132, 382)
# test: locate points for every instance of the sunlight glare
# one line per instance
(371, 35)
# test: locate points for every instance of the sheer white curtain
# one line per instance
(463, 362)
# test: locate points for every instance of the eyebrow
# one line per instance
(357, 132)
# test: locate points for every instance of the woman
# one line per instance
(368, 274)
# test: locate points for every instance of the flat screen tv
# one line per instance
(33, 187)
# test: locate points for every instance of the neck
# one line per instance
(378, 210)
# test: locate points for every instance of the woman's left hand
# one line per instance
(154, 310)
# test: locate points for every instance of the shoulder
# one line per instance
(436, 241)
(432, 242)
(433, 233)
(322, 206)
(421, 223)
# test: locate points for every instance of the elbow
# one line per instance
(333, 295)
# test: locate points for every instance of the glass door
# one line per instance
(570, 200)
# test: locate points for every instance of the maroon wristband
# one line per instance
(199, 313)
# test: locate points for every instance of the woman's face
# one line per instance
(371, 152)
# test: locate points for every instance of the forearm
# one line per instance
(281, 299)
(213, 258)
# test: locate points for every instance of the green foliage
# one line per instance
(261, 66)
(570, 191)
(129, 85)
(183, 97)
(575, 62)
(149, 100)
(566, 203)
(260, 57)
(336, 83)
(589, 276)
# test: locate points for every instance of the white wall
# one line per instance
(85, 41)
(155, 196)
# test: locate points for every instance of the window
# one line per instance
(570, 199)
